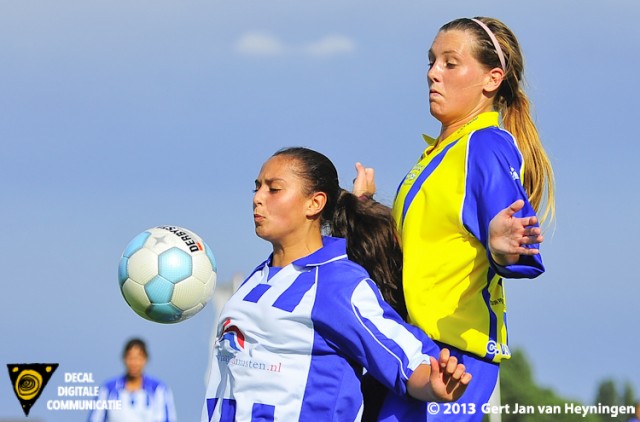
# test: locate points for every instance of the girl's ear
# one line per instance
(494, 79)
(316, 204)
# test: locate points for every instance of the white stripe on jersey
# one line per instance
(365, 302)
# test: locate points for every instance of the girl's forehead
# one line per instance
(452, 41)
(280, 167)
(135, 350)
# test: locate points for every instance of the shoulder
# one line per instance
(152, 383)
(492, 137)
(343, 271)
(341, 284)
(493, 151)
(332, 262)
(114, 383)
(342, 287)
(490, 141)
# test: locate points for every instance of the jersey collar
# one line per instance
(482, 120)
(333, 248)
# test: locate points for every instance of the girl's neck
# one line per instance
(284, 255)
(133, 383)
(448, 129)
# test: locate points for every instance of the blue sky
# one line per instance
(119, 116)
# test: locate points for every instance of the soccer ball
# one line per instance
(167, 274)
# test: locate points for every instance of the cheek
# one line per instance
(287, 214)
(459, 91)
(279, 210)
(453, 84)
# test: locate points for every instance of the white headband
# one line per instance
(496, 44)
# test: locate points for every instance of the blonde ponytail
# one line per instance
(538, 180)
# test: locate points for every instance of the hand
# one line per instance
(364, 184)
(448, 378)
(508, 234)
(442, 380)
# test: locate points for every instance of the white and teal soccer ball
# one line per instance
(167, 274)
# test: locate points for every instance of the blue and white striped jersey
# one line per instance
(152, 403)
(292, 346)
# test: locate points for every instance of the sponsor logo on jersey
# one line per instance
(494, 348)
(514, 173)
(232, 335)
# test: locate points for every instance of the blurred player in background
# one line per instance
(144, 399)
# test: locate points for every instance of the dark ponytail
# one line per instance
(367, 226)
(372, 242)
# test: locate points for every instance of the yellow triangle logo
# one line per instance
(28, 381)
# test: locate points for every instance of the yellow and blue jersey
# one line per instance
(443, 207)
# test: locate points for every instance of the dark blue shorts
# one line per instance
(467, 409)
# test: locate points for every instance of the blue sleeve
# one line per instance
(353, 318)
(162, 408)
(99, 414)
(494, 169)
(168, 407)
